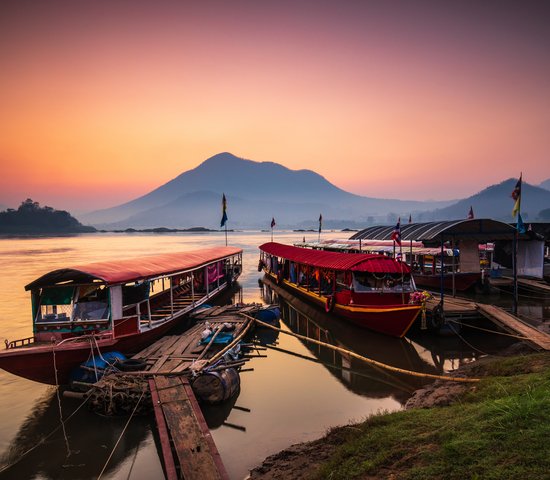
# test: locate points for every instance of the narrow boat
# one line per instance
(123, 305)
(373, 291)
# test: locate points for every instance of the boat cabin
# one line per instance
(127, 297)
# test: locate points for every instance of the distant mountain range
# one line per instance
(258, 191)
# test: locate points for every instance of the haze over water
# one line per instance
(290, 399)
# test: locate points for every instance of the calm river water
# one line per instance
(286, 398)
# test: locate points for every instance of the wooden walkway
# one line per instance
(514, 325)
(188, 449)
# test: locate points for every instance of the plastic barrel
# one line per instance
(217, 387)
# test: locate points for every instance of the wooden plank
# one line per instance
(515, 324)
(192, 444)
(181, 367)
(151, 349)
(159, 363)
(168, 458)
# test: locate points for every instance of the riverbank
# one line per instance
(496, 428)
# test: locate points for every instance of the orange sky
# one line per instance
(103, 101)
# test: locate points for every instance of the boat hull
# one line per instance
(462, 281)
(392, 320)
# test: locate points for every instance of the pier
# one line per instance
(515, 325)
(188, 450)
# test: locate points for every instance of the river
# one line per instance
(294, 393)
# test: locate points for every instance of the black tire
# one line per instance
(131, 365)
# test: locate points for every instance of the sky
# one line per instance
(103, 101)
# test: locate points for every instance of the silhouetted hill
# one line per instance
(545, 184)
(495, 202)
(255, 192)
(30, 218)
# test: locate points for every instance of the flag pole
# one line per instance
(226, 234)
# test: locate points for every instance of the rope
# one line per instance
(519, 337)
(120, 436)
(43, 440)
(59, 403)
(365, 359)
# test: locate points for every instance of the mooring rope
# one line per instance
(121, 435)
(59, 403)
(366, 359)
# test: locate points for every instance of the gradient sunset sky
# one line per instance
(102, 101)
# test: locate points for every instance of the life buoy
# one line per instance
(329, 304)
(131, 365)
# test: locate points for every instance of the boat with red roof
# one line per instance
(122, 305)
(373, 291)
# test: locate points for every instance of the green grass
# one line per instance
(500, 430)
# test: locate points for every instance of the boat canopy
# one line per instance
(431, 233)
(364, 262)
(134, 269)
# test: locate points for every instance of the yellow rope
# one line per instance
(365, 359)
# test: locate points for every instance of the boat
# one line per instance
(373, 291)
(425, 261)
(121, 305)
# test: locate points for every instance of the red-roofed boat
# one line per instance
(121, 305)
(373, 291)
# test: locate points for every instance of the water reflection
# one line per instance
(43, 449)
(358, 376)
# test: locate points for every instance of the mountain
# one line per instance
(545, 184)
(496, 202)
(31, 218)
(255, 191)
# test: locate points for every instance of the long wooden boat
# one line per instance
(123, 305)
(373, 291)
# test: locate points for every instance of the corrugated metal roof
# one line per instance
(365, 262)
(483, 230)
(134, 269)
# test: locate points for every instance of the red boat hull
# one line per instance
(41, 362)
(389, 319)
(463, 281)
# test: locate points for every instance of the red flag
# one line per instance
(396, 234)
(471, 213)
(272, 222)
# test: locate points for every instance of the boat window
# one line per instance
(92, 304)
(362, 282)
(55, 304)
(136, 293)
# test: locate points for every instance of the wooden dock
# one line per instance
(513, 324)
(188, 450)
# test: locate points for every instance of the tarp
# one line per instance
(531, 258)
(135, 269)
(364, 262)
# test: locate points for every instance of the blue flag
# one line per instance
(224, 213)
(521, 225)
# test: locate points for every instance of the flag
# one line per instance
(320, 222)
(410, 218)
(471, 213)
(396, 234)
(516, 195)
(224, 211)
(521, 225)
(273, 222)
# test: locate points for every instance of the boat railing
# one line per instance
(21, 342)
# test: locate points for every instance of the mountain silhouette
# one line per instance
(496, 202)
(255, 191)
(545, 184)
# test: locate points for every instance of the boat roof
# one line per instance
(133, 269)
(431, 233)
(364, 262)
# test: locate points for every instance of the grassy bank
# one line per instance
(498, 429)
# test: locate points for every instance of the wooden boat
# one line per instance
(373, 291)
(124, 305)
